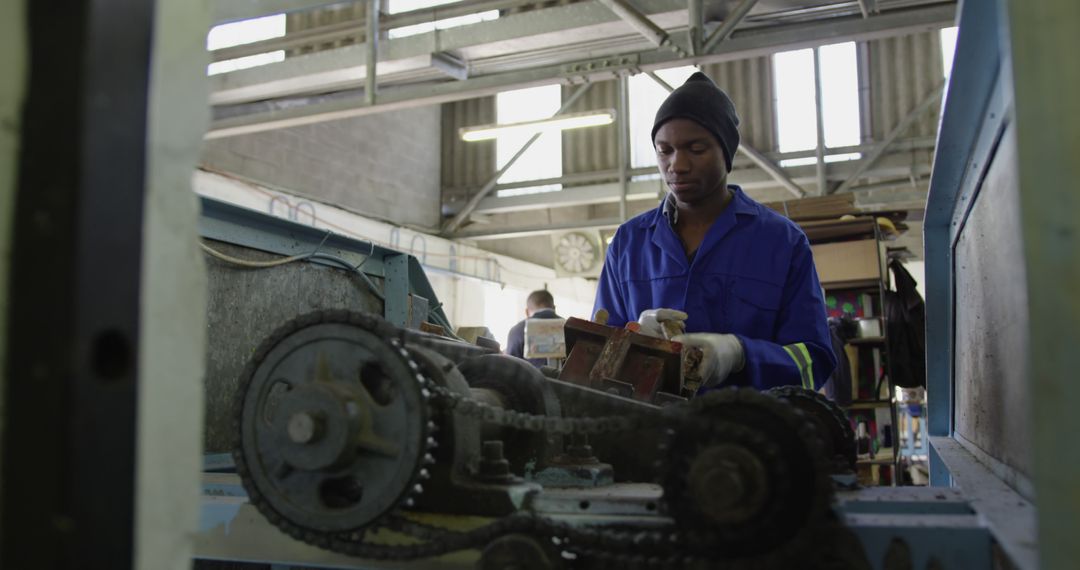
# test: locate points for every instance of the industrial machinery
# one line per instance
(356, 436)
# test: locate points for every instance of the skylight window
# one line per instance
(245, 32)
(544, 157)
(948, 49)
(796, 113)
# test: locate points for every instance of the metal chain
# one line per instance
(504, 417)
(651, 549)
(657, 548)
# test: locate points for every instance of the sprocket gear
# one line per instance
(831, 421)
(332, 426)
(744, 473)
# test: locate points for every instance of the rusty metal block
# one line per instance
(623, 362)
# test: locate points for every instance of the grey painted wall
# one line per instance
(384, 166)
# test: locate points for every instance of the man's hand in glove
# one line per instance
(662, 323)
(722, 354)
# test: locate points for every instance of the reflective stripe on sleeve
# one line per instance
(803, 362)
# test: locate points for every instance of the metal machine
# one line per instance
(364, 443)
(362, 438)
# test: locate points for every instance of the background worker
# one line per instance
(736, 276)
(539, 305)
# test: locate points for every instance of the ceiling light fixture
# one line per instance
(557, 123)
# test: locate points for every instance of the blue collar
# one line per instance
(669, 211)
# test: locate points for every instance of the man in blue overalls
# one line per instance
(738, 278)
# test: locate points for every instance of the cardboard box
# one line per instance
(846, 261)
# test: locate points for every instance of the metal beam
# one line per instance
(744, 45)
(883, 146)
(660, 81)
(819, 114)
(224, 11)
(906, 198)
(450, 65)
(463, 215)
(337, 31)
(548, 29)
(895, 168)
(623, 122)
(640, 22)
(605, 176)
(863, 9)
(601, 193)
(372, 42)
(540, 229)
(734, 18)
(772, 170)
(696, 24)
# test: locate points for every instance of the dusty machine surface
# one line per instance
(382, 447)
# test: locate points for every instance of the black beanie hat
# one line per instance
(701, 101)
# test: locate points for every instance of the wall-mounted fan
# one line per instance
(577, 254)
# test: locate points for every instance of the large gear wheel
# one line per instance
(829, 418)
(332, 425)
(746, 479)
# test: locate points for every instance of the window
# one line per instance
(948, 49)
(245, 32)
(796, 113)
(395, 6)
(544, 157)
(646, 95)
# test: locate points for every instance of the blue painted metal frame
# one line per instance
(934, 525)
(402, 273)
(973, 117)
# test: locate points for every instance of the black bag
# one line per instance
(905, 327)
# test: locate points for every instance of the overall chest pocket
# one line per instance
(753, 307)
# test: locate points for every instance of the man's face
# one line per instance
(690, 160)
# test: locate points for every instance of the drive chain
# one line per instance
(504, 417)
(651, 549)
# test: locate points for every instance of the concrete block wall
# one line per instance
(384, 166)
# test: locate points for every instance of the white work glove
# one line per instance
(662, 323)
(722, 354)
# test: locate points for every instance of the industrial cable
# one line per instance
(251, 264)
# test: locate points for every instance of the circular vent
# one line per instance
(575, 253)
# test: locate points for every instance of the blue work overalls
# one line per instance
(753, 276)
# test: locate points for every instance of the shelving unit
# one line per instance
(851, 264)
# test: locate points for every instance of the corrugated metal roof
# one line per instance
(904, 70)
(305, 20)
(466, 165)
(749, 84)
(596, 148)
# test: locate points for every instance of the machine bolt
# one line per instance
(579, 448)
(305, 427)
(493, 466)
